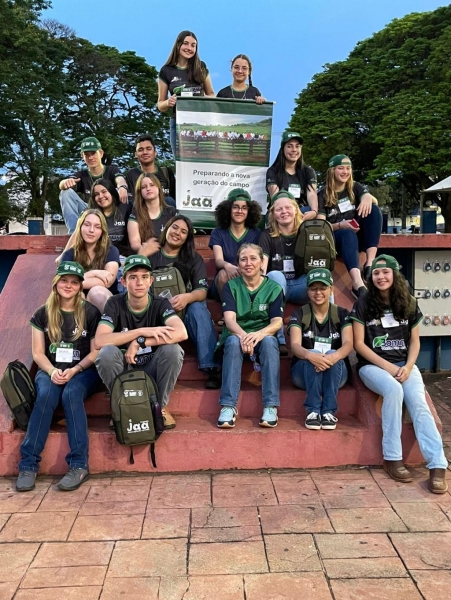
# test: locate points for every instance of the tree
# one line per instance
(387, 106)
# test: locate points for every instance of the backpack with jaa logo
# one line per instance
(315, 247)
(19, 391)
(136, 410)
(168, 278)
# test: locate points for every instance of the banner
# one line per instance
(222, 143)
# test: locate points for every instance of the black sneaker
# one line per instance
(73, 479)
(214, 379)
(360, 292)
(366, 273)
(26, 481)
(313, 421)
(328, 421)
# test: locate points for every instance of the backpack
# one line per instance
(136, 411)
(315, 247)
(168, 278)
(19, 391)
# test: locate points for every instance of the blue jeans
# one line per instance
(173, 135)
(72, 395)
(267, 353)
(71, 206)
(322, 387)
(412, 393)
(294, 290)
(170, 201)
(199, 326)
(348, 242)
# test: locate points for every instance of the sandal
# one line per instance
(397, 471)
(437, 481)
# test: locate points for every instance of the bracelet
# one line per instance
(51, 371)
(81, 368)
(123, 186)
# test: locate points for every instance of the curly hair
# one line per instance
(223, 214)
(330, 193)
(400, 299)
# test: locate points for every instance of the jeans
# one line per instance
(348, 242)
(267, 353)
(173, 135)
(294, 290)
(170, 201)
(48, 396)
(164, 366)
(322, 387)
(71, 206)
(201, 331)
(412, 392)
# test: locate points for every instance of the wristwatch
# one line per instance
(141, 341)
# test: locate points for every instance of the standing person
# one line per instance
(387, 342)
(149, 215)
(354, 216)
(240, 88)
(289, 172)
(237, 218)
(142, 331)
(177, 249)
(278, 244)
(252, 305)
(146, 154)
(62, 344)
(98, 257)
(183, 74)
(82, 181)
(321, 340)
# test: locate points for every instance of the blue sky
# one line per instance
(288, 41)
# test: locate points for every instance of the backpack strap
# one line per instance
(152, 454)
(307, 316)
(132, 459)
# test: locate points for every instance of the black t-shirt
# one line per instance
(158, 223)
(175, 77)
(84, 186)
(112, 256)
(324, 332)
(118, 315)
(385, 336)
(292, 183)
(194, 273)
(117, 228)
(81, 346)
(250, 93)
(280, 252)
(343, 210)
(165, 176)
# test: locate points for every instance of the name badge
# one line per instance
(187, 93)
(345, 205)
(288, 265)
(295, 189)
(388, 320)
(146, 350)
(322, 344)
(65, 353)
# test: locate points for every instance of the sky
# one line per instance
(288, 41)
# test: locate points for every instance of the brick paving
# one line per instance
(338, 534)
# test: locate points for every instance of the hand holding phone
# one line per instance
(354, 223)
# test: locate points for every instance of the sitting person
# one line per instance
(140, 330)
(321, 339)
(62, 344)
(237, 218)
(149, 216)
(81, 182)
(278, 244)
(240, 90)
(177, 249)
(387, 342)
(253, 308)
(354, 216)
(98, 257)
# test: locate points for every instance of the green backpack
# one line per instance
(19, 391)
(315, 247)
(168, 278)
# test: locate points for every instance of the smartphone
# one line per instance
(354, 223)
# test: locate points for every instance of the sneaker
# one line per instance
(269, 417)
(73, 479)
(366, 273)
(227, 417)
(313, 421)
(168, 419)
(214, 379)
(360, 292)
(328, 421)
(26, 480)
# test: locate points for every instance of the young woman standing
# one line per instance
(241, 88)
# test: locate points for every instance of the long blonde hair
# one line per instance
(55, 317)
(140, 208)
(331, 194)
(102, 246)
(274, 225)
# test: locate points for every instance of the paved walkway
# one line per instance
(268, 535)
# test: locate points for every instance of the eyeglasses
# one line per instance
(244, 69)
(240, 208)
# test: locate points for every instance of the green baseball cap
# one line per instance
(70, 267)
(90, 144)
(289, 135)
(239, 194)
(385, 260)
(136, 260)
(321, 275)
(282, 194)
(340, 159)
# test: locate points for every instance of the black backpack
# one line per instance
(315, 247)
(136, 411)
(168, 278)
(19, 391)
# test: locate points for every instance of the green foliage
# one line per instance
(387, 106)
